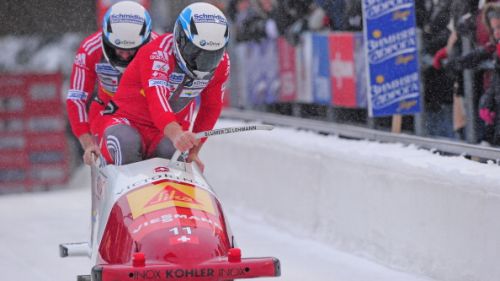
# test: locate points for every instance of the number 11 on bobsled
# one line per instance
(159, 219)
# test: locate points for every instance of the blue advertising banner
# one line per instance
(322, 93)
(392, 57)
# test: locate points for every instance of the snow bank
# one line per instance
(400, 206)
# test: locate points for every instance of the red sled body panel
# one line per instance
(155, 221)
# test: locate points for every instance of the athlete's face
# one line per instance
(125, 54)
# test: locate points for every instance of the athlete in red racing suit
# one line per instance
(152, 111)
(92, 64)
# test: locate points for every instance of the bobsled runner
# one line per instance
(159, 219)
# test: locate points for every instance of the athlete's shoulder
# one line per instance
(91, 44)
(90, 51)
(154, 35)
(159, 48)
(223, 67)
(163, 41)
(225, 59)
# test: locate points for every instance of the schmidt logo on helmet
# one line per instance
(126, 18)
(199, 18)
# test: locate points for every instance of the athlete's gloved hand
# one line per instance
(91, 150)
(184, 140)
(91, 154)
(487, 115)
(438, 57)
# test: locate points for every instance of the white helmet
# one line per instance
(201, 35)
(126, 26)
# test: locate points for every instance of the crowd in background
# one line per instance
(444, 26)
(258, 19)
(456, 35)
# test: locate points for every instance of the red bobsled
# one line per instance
(160, 220)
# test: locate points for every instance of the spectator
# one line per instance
(335, 11)
(464, 19)
(254, 19)
(293, 19)
(433, 17)
(354, 16)
(490, 101)
(455, 64)
(237, 9)
(483, 34)
(463, 25)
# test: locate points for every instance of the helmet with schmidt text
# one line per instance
(126, 27)
(201, 35)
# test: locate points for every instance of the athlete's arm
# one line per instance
(210, 108)
(155, 69)
(212, 98)
(82, 82)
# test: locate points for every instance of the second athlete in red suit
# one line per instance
(102, 57)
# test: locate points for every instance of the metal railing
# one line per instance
(470, 151)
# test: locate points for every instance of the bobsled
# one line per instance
(159, 219)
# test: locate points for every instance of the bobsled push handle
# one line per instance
(232, 130)
(223, 131)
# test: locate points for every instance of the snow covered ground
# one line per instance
(32, 225)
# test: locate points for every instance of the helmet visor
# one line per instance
(118, 57)
(198, 58)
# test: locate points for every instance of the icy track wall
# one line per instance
(399, 206)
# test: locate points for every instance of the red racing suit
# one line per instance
(90, 65)
(154, 91)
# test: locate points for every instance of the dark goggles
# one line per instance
(114, 58)
(197, 58)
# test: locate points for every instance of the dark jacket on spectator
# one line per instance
(250, 24)
(253, 28)
(457, 64)
(482, 56)
(464, 13)
(353, 16)
(433, 20)
(291, 11)
(335, 10)
(292, 20)
(491, 101)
